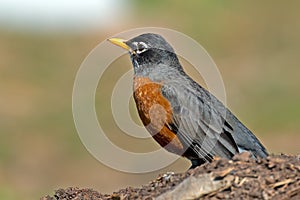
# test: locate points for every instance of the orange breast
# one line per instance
(155, 112)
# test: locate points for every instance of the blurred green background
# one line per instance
(255, 44)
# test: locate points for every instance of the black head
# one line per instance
(148, 41)
(149, 52)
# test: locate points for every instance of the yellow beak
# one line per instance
(120, 42)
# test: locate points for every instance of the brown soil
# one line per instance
(276, 177)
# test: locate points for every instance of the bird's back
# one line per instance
(242, 136)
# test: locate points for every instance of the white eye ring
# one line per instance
(141, 47)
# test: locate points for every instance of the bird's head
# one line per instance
(148, 52)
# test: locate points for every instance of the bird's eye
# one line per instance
(141, 47)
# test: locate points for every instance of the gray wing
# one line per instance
(199, 126)
(245, 139)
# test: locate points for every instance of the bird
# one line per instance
(180, 114)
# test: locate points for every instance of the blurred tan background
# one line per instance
(255, 44)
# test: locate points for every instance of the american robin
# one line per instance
(181, 115)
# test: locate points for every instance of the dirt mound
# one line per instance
(276, 177)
